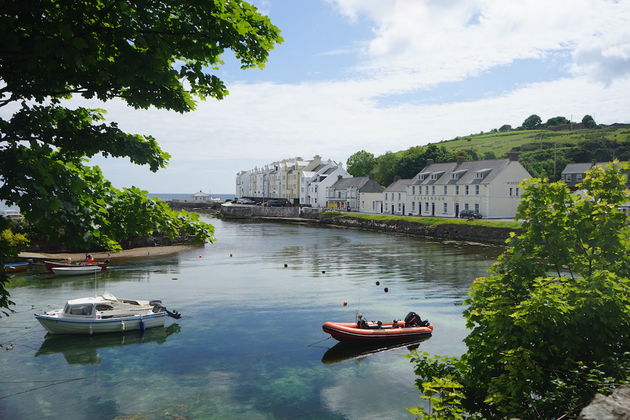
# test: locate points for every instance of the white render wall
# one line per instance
(370, 202)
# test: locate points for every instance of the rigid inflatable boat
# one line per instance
(405, 330)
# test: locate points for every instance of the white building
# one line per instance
(315, 183)
(395, 198)
(346, 192)
(487, 186)
(371, 202)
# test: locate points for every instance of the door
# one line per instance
(456, 209)
(432, 209)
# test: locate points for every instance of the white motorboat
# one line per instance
(76, 270)
(105, 314)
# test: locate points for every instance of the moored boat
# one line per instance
(76, 271)
(52, 264)
(105, 314)
(409, 329)
(19, 266)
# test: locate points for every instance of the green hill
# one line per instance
(502, 143)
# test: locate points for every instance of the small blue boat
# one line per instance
(12, 267)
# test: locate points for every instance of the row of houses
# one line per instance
(489, 187)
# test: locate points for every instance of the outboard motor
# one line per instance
(158, 307)
(413, 320)
(361, 322)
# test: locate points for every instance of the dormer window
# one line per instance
(424, 176)
(481, 174)
(436, 175)
(457, 174)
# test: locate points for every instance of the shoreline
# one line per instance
(142, 252)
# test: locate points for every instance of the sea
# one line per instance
(161, 196)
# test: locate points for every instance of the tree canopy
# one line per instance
(360, 163)
(149, 53)
(589, 122)
(550, 326)
(532, 122)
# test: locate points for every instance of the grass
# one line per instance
(429, 221)
(501, 143)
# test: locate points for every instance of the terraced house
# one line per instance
(487, 186)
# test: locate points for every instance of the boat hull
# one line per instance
(76, 271)
(52, 264)
(13, 267)
(56, 325)
(348, 332)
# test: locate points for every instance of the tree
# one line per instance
(550, 326)
(556, 121)
(360, 163)
(532, 122)
(589, 122)
(386, 168)
(505, 128)
(146, 52)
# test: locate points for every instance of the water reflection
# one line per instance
(342, 352)
(83, 350)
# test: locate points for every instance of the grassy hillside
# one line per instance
(501, 143)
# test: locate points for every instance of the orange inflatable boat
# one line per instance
(409, 329)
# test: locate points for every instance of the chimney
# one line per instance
(396, 178)
(430, 162)
(339, 177)
(370, 175)
(460, 159)
(513, 156)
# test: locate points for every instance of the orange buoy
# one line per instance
(345, 303)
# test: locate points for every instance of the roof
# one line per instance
(577, 168)
(399, 185)
(200, 194)
(465, 172)
(345, 183)
(362, 183)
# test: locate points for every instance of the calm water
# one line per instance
(249, 344)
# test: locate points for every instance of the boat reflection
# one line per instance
(83, 349)
(342, 352)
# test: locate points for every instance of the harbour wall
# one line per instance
(469, 232)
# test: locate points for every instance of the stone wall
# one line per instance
(236, 211)
(458, 232)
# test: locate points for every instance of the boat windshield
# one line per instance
(79, 309)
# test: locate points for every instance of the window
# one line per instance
(413, 190)
(517, 192)
(510, 191)
(385, 196)
(399, 196)
(445, 207)
(466, 190)
(445, 189)
(398, 206)
(477, 207)
(466, 206)
(426, 191)
(413, 206)
(456, 189)
(433, 189)
(476, 189)
(426, 206)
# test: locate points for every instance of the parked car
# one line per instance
(470, 214)
(277, 203)
(245, 201)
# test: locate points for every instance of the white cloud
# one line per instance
(433, 41)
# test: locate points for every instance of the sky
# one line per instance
(385, 75)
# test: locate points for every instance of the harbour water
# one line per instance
(249, 344)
